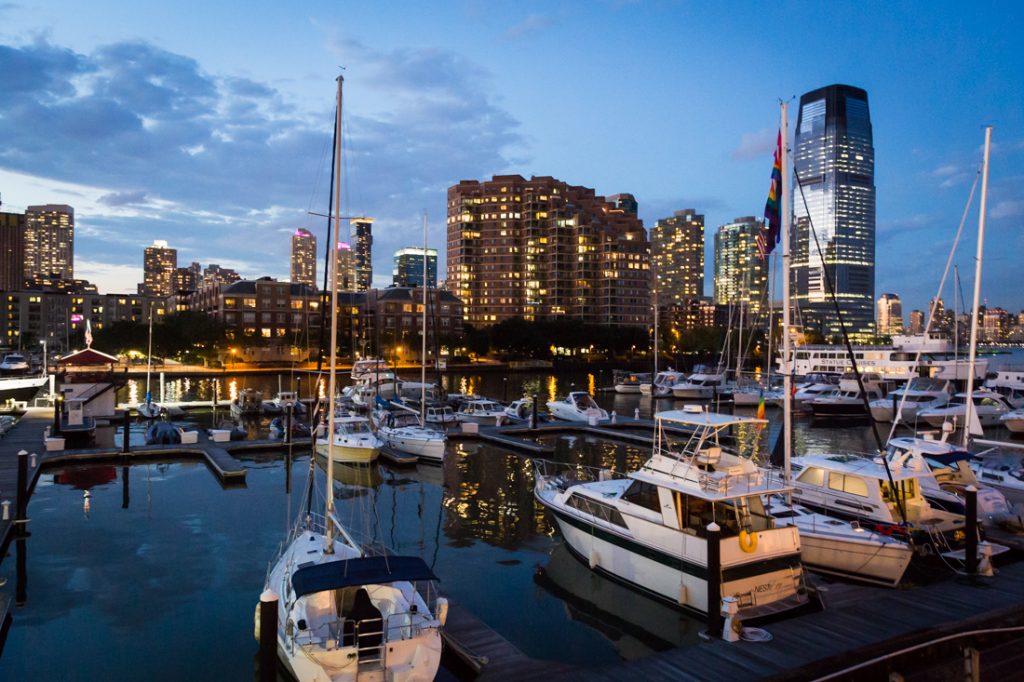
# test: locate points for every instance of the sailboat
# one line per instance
(149, 409)
(343, 614)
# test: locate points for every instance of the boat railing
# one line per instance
(564, 475)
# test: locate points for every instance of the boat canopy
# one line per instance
(702, 418)
(373, 570)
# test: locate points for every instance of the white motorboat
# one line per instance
(578, 406)
(1013, 420)
(920, 393)
(1005, 474)
(630, 382)
(441, 415)
(402, 431)
(661, 386)
(813, 385)
(649, 528)
(248, 403)
(520, 410)
(845, 401)
(700, 386)
(20, 388)
(383, 384)
(352, 441)
(751, 396)
(989, 406)
(14, 364)
(480, 411)
(369, 367)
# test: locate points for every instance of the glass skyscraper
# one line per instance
(834, 195)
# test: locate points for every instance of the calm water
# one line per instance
(158, 576)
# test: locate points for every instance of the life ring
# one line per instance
(748, 541)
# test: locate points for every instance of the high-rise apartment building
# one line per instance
(543, 249)
(741, 275)
(625, 202)
(12, 251)
(834, 200)
(890, 315)
(188, 278)
(916, 322)
(50, 241)
(408, 270)
(346, 267)
(216, 273)
(159, 263)
(361, 234)
(304, 257)
(677, 256)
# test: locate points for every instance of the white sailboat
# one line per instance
(149, 409)
(343, 615)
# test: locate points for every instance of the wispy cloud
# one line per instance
(530, 26)
(756, 145)
(1008, 208)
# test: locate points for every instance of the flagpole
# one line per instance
(787, 368)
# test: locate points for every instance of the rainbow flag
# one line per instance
(760, 406)
(769, 235)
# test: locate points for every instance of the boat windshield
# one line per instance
(355, 427)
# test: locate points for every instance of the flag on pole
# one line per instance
(769, 235)
(88, 333)
(760, 405)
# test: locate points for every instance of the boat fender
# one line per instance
(594, 559)
(682, 595)
(748, 541)
(442, 610)
(256, 621)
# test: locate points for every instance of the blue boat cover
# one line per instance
(949, 458)
(371, 570)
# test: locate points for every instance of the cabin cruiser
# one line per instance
(920, 393)
(846, 401)
(812, 386)
(649, 528)
(383, 384)
(370, 367)
(248, 403)
(989, 406)
(1014, 421)
(700, 386)
(480, 411)
(519, 410)
(14, 364)
(1008, 380)
(661, 386)
(578, 406)
(402, 431)
(1007, 475)
(354, 440)
(630, 382)
(441, 415)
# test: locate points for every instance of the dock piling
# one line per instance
(533, 413)
(268, 636)
(21, 512)
(971, 545)
(126, 420)
(56, 418)
(288, 425)
(714, 581)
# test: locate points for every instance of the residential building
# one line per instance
(995, 324)
(542, 249)
(262, 308)
(916, 322)
(395, 317)
(625, 202)
(188, 279)
(833, 234)
(361, 236)
(346, 267)
(677, 256)
(159, 263)
(50, 241)
(408, 270)
(12, 251)
(304, 257)
(741, 275)
(890, 315)
(216, 273)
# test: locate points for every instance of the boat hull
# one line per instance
(348, 453)
(826, 411)
(425, 448)
(1015, 425)
(878, 563)
(21, 389)
(628, 389)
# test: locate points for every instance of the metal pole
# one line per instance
(971, 514)
(126, 422)
(787, 369)
(288, 424)
(714, 580)
(22, 509)
(268, 636)
(56, 416)
(977, 289)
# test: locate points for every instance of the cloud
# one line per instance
(123, 198)
(756, 145)
(109, 277)
(1008, 208)
(531, 25)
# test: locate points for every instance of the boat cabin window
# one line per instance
(989, 402)
(643, 494)
(854, 485)
(906, 487)
(596, 509)
(732, 516)
(812, 476)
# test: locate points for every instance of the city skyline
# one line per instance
(447, 95)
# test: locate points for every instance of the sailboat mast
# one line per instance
(787, 362)
(149, 358)
(423, 352)
(331, 384)
(977, 289)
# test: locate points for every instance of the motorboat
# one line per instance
(814, 385)
(846, 401)
(480, 411)
(278, 428)
(353, 441)
(1013, 420)
(280, 403)
(248, 403)
(630, 382)
(700, 386)
(20, 388)
(751, 396)
(649, 528)
(661, 386)
(383, 385)
(402, 431)
(989, 406)
(520, 410)
(441, 415)
(14, 364)
(920, 393)
(1005, 474)
(578, 406)
(368, 367)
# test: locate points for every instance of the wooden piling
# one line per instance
(971, 514)
(21, 512)
(268, 636)
(126, 422)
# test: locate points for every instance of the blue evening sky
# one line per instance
(207, 124)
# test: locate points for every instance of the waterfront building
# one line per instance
(361, 236)
(159, 263)
(304, 257)
(542, 249)
(834, 194)
(916, 322)
(890, 315)
(264, 308)
(50, 241)
(395, 317)
(741, 275)
(677, 256)
(408, 270)
(995, 324)
(12, 251)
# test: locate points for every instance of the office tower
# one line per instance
(834, 193)
(916, 322)
(346, 267)
(890, 315)
(304, 257)
(50, 241)
(188, 279)
(624, 202)
(677, 256)
(12, 251)
(408, 270)
(542, 249)
(361, 235)
(159, 264)
(741, 276)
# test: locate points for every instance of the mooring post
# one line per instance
(56, 417)
(894, 407)
(268, 636)
(971, 514)
(21, 512)
(714, 581)
(124, 487)
(126, 422)
(533, 413)
(288, 424)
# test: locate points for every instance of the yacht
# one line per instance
(846, 401)
(649, 528)
(1007, 475)
(989, 406)
(578, 406)
(14, 364)
(630, 382)
(370, 367)
(20, 388)
(1008, 380)
(813, 385)
(441, 415)
(700, 386)
(403, 432)
(919, 394)
(661, 386)
(354, 441)
(480, 411)
(752, 395)
(519, 410)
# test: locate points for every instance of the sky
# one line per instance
(208, 124)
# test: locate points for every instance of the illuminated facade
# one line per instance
(916, 322)
(890, 315)
(834, 160)
(543, 249)
(304, 257)
(741, 276)
(50, 241)
(677, 253)
(408, 270)
(12, 251)
(159, 263)
(361, 235)
(346, 267)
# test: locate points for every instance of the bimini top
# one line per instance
(373, 570)
(699, 417)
